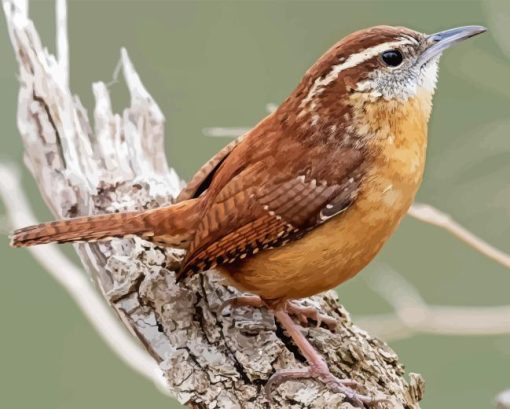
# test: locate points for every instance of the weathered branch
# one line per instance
(210, 360)
(74, 281)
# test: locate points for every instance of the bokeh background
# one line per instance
(214, 63)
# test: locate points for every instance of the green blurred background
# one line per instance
(214, 63)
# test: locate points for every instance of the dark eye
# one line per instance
(393, 58)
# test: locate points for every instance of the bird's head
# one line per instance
(378, 64)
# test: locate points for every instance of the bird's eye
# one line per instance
(393, 58)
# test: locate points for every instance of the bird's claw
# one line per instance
(304, 313)
(344, 386)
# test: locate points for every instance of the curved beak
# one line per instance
(439, 42)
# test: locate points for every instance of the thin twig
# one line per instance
(431, 215)
(219, 132)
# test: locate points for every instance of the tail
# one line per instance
(173, 226)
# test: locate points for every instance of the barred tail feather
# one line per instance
(89, 228)
(167, 225)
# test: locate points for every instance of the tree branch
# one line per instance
(210, 360)
(75, 283)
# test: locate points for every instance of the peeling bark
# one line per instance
(212, 359)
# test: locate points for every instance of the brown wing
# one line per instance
(265, 206)
(201, 180)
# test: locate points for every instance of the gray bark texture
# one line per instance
(211, 359)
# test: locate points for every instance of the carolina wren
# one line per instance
(307, 198)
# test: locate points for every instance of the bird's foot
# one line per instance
(318, 368)
(302, 313)
(344, 386)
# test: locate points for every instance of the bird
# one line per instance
(304, 200)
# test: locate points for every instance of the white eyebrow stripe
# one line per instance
(410, 39)
(352, 61)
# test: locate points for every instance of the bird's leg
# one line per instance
(302, 313)
(318, 368)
